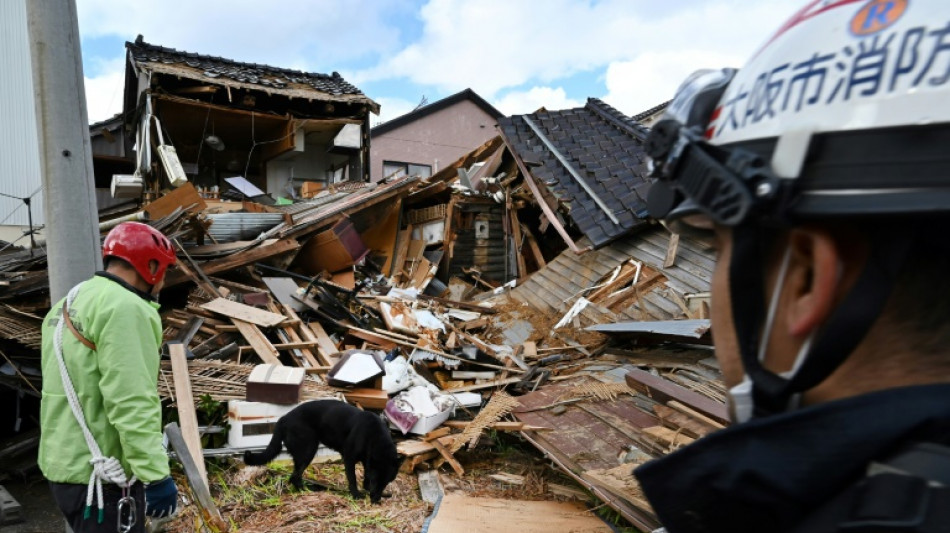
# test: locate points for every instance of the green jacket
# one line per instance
(116, 385)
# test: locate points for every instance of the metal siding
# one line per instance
(19, 142)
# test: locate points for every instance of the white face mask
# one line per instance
(741, 402)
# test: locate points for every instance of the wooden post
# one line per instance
(199, 487)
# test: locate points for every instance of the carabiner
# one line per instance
(126, 512)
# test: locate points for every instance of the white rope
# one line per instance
(103, 468)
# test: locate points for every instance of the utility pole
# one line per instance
(72, 230)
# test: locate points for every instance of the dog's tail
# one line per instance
(273, 448)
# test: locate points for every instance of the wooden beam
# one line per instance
(664, 390)
(305, 335)
(542, 203)
(264, 251)
(185, 402)
(535, 249)
(208, 511)
(447, 455)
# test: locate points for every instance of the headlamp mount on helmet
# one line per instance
(694, 176)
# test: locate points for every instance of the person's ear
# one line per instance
(812, 282)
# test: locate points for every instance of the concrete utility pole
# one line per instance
(72, 230)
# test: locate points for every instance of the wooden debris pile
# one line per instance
(372, 292)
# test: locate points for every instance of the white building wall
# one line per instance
(19, 142)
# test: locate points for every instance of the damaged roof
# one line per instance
(592, 159)
(222, 71)
(652, 111)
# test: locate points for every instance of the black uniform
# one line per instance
(855, 464)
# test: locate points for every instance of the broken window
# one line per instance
(396, 169)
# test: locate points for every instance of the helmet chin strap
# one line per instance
(741, 400)
(763, 392)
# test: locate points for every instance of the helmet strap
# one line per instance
(764, 392)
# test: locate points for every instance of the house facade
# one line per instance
(431, 137)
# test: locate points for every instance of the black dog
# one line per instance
(358, 436)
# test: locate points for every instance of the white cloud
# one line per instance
(390, 108)
(524, 102)
(104, 95)
(491, 45)
(652, 77)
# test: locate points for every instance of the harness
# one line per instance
(908, 492)
(107, 469)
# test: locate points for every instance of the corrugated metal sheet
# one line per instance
(230, 227)
(556, 287)
(19, 142)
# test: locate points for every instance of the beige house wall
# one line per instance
(437, 139)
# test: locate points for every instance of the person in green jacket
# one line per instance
(100, 416)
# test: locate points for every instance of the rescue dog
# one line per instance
(358, 436)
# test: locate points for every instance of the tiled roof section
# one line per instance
(652, 111)
(252, 73)
(605, 148)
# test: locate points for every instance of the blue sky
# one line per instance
(518, 54)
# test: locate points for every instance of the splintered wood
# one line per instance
(500, 405)
(620, 480)
(596, 390)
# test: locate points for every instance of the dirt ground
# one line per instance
(259, 499)
(39, 511)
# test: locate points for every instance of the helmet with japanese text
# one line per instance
(139, 245)
(843, 112)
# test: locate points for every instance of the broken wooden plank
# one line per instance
(498, 426)
(185, 403)
(669, 438)
(664, 390)
(295, 338)
(448, 456)
(326, 349)
(244, 312)
(267, 249)
(186, 197)
(257, 340)
(695, 414)
(671, 250)
(690, 425)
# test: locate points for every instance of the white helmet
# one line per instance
(844, 112)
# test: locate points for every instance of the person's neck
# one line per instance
(131, 277)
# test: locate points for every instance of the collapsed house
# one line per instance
(289, 133)
(487, 292)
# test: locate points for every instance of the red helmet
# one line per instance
(138, 244)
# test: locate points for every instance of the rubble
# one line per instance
(460, 305)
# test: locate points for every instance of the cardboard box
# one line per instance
(252, 423)
(275, 384)
(332, 250)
